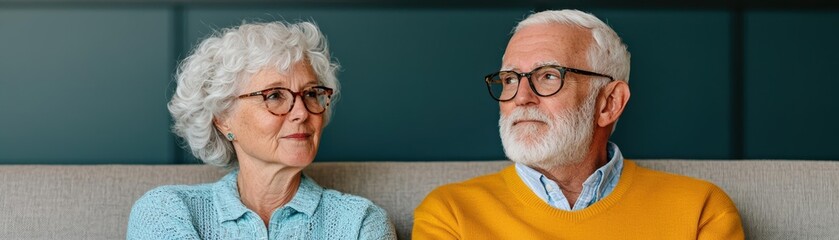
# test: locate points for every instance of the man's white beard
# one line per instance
(565, 141)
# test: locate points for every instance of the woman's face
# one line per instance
(289, 139)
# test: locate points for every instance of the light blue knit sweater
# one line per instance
(214, 211)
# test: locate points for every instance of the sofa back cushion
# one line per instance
(777, 199)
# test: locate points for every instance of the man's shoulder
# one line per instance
(683, 196)
(475, 187)
(663, 182)
(669, 178)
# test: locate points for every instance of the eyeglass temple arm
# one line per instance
(584, 72)
(259, 93)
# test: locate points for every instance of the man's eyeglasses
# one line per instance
(545, 81)
(280, 100)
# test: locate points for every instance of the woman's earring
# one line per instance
(230, 136)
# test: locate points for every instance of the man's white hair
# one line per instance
(608, 55)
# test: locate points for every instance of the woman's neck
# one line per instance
(264, 188)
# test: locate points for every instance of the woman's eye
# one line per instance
(274, 96)
(311, 94)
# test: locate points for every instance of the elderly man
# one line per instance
(561, 89)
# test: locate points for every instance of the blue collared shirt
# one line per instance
(596, 187)
(215, 211)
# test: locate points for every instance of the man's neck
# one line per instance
(570, 177)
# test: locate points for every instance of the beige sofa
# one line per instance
(777, 199)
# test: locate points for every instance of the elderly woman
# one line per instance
(256, 98)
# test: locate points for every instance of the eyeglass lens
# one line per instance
(547, 80)
(281, 101)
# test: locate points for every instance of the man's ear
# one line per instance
(612, 102)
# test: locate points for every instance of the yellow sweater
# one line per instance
(646, 204)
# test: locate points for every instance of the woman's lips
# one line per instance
(298, 136)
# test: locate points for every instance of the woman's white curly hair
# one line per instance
(211, 77)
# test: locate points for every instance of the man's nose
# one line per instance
(525, 95)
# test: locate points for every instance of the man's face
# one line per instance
(547, 131)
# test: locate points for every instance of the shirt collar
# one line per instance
(229, 204)
(608, 171)
(307, 198)
(601, 177)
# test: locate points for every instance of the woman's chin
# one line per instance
(297, 159)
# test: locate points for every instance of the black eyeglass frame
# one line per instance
(294, 95)
(562, 71)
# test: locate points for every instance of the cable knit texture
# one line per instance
(646, 204)
(215, 211)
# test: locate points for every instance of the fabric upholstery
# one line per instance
(778, 199)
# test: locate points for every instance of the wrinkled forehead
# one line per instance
(534, 66)
(297, 74)
(548, 44)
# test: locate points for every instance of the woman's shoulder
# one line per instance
(166, 211)
(335, 197)
(334, 202)
(372, 219)
(172, 198)
(169, 194)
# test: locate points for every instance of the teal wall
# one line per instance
(89, 84)
(791, 79)
(680, 104)
(85, 85)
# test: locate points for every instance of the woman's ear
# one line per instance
(615, 96)
(221, 125)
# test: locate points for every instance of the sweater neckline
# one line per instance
(518, 188)
(230, 207)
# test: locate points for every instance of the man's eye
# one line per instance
(551, 76)
(510, 80)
